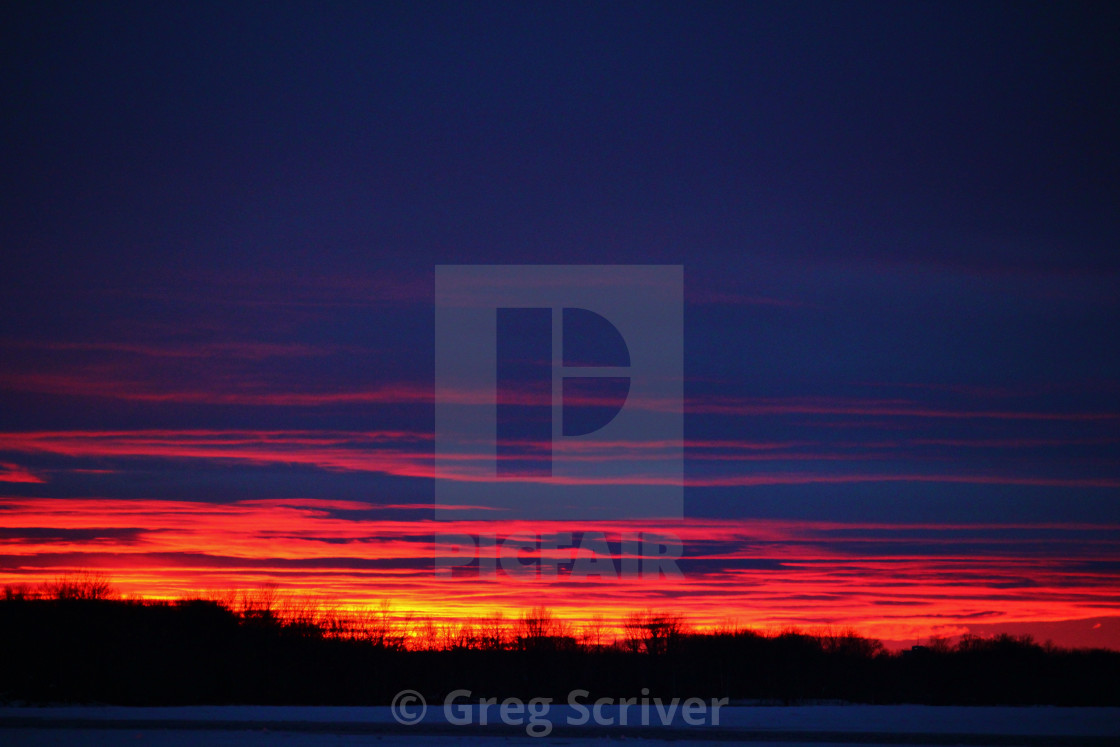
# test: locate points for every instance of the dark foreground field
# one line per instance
(202, 652)
(851, 726)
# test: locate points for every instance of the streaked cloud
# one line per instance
(891, 580)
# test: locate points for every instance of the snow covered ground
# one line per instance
(757, 725)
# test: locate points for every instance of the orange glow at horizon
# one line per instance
(766, 574)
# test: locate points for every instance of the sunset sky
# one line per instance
(898, 224)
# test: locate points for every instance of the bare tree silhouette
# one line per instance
(81, 585)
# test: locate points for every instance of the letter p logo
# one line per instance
(559, 392)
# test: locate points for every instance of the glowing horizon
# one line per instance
(765, 574)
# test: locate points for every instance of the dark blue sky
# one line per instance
(898, 221)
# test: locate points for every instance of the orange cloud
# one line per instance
(899, 582)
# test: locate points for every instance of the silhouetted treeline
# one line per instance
(75, 645)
